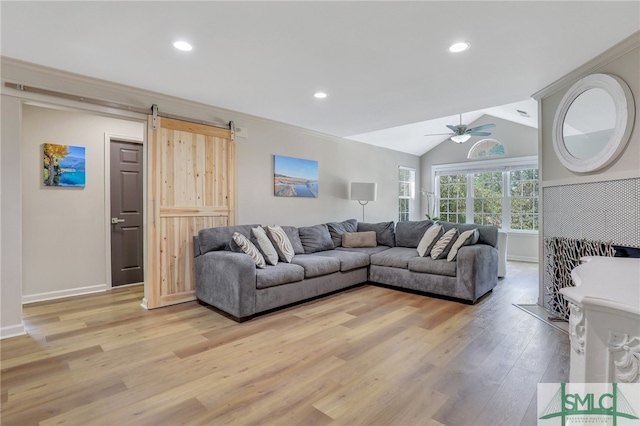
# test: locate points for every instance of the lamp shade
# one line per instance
(364, 191)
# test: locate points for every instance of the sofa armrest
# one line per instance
(477, 270)
(227, 281)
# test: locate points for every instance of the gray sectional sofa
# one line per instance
(230, 281)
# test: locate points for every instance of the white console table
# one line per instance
(604, 323)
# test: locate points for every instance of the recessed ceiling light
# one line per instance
(182, 45)
(320, 95)
(459, 47)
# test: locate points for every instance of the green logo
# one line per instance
(585, 404)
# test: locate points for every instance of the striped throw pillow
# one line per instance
(250, 249)
(281, 243)
(264, 243)
(429, 238)
(465, 239)
(443, 245)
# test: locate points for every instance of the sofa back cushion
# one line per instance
(488, 233)
(315, 238)
(409, 234)
(385, 234)
(336, 229)
(294, 238)
(211, 239)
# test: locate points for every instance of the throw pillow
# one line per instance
(336, 229)
(315, 238)
(443, 245)
(248, 248)
(281, 243)
(466, 238)
(359, 239)
(385, 233)
(431, 235)
(264, 244)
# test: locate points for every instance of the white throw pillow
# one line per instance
(466, 238)
(429, 238)
(269, 251)
(249, 248)
(281, 243)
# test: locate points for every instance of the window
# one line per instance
(487, 198)
(406, 193)
(486, 148)
(501, 192)
(523, 193)
(453, 198)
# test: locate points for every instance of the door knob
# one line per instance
(115, 220)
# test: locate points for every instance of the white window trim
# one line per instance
(412, 191)
(495, 165)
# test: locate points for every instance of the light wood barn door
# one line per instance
(191, 186)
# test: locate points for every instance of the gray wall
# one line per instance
(602, 205)
(340, 161)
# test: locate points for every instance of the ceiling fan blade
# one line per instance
(440, 134)
(479, 133)
(483, 127)
(453, 128)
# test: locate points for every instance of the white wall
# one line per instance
(518, 141)
(340, 162)
(63, 229)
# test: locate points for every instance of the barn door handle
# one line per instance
(115, 220)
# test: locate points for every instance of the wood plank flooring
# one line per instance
(368, 356)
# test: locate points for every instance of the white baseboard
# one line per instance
(523, 259)
(12, 331)
(144, 303)
(40, 297)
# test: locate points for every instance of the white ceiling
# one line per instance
(383, 64)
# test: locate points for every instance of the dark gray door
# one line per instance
(126, 213)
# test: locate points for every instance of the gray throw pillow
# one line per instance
(315, 238)
(336, 229)
(441, 248)
(249, 248)
(385, 234)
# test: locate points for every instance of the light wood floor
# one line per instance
(367, 356)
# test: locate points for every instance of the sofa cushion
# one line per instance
(281, 242)
(430, 237)
(488, 233)
(409, 233)
(336, 229)
(264, 245)
(349, 260)
(294, 238)
(366, 250)
(315, 238)
(466, 238)
(385, 234)
(315, 265)
(441, 248)
(282, 273)
(429, 266)
(359, 239)
(249, 248)
(396, 257)
(211, 239)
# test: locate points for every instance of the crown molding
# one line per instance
(618, 50)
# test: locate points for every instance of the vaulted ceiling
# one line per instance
(382, 64)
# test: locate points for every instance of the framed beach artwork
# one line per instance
(63, 165)
(295, 177)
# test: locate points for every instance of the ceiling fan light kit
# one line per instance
(462, 133)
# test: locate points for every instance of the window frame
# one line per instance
(412, 192)
(504, 165)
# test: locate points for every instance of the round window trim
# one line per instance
(625, 117)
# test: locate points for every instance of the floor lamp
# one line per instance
(363, 192)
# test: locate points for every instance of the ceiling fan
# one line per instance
(462, 133)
